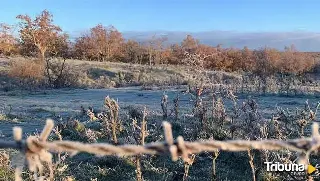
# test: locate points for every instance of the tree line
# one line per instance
(40, 37)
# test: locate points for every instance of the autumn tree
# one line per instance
(60, 46)
(294, 62)
(133, 52)
(177, 54)
(200, 56)
(166, 55)
(247, 62)
(219, 60)
(100, 43)
(106, 42)
(206, 54)
(232, 59)
(266, 60)
(154, 47)
(115, 42)
(39, 32)
(189, 44)
(7, 40)
(82, 48)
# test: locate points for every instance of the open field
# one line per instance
(95, 104)
(68, 102)
(30, 110)
(92, 74)
(134, 86)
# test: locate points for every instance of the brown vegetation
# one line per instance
(241, 128)
(100, 43)
(8, 42)
(40, 33)
(216, 130)
(27, 71)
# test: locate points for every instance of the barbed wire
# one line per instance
(37, 149)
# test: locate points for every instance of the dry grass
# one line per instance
(88, 74)
(251, 127)
(6, 171)
(26, 70)
(212, 127)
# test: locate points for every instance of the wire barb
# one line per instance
(36, 149)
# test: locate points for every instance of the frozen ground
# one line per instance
(32, 110)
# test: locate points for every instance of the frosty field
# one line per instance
(32, 109)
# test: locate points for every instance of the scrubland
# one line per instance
(215, 113)
(104, 89)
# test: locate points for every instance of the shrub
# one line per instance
(59, 74)
(6, 172)
(27, 71)
(55, 73)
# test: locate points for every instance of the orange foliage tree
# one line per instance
(133, 52)
(82, 48)
(107, 43)
(266, 60)
(189, 44)
(154, 47)
(7, 40)
(294, 62)
(100, 43)
(60, 46)
(39, 32)
(247, 62)
(176, 54)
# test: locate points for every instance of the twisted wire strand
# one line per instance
(102, 149)
(36, 149)
(35, 145)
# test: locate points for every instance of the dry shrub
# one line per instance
(27, 71)
(6, 172)
(4, 159)
(59, 74)
(54, 73)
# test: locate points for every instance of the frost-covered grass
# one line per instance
(91, 74)
(68, 107)
(64, 106)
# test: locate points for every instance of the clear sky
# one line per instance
(173, 15)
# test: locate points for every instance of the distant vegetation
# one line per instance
(42, 41)
(40, 36)
(103, 58)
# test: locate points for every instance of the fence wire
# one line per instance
(38, 151)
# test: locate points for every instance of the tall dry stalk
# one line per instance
(215, 155)
(59, 166)
(253, 169)
(140, 133)
(164, 106)
(176, 107)
(187, 167)
(113, 107)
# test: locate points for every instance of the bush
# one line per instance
(28, 71)
(60, 75)
(53, 73)
(6, 172)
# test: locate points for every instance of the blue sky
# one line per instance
(173, 15)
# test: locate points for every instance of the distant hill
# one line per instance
(304, 41)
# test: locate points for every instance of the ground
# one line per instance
(32, 109)
(29, 110)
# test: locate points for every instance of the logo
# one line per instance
(311, 169)
(294, 168)
(280, 167)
